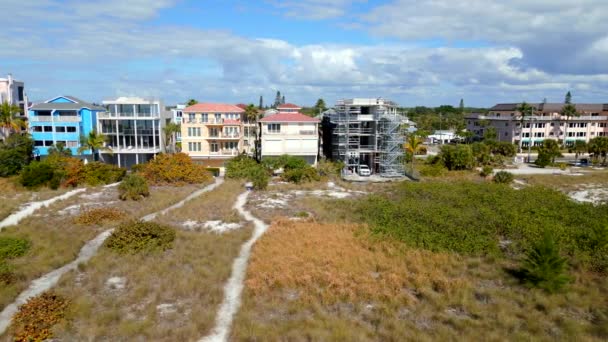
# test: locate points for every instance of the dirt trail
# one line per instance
(49, 280)
(234, 287)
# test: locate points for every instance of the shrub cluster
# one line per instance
(544, 267)
(34, 320)
(503, 177)
(472, 218)
(15, 153)
(99, 216)
(295, 170)
(244, 167)
(10, 248)
(140, 236)
(59, 170)
(328, 168)
(175, 169)
(133, 187)
(466, 157)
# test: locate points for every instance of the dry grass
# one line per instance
(598, 178)
(13, 195)
(309, 281)
(56, 240)
(189, 278)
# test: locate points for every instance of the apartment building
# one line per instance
(133, 127)
(176, 117)
(290, 132)
(545, 123)
(212, 131)
(365, 131)
(13, 92)
(63, 119)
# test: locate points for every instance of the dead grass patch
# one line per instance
(13, 195)
(566, 183)
(100, 216)
(310, 281)
(55, 240)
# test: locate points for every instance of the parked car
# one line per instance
(364, 171)
(582, 162)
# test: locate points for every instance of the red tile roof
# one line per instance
(242, 106)
(212, 108)
(232, 122)
(288, 106)
(289, 117)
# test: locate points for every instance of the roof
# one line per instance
(76, 105)
(232, 122)
(242, 106)
(289, 117)
(552, 107)
(213, 108)
(288, 106)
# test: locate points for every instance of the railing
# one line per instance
(49, 118)
(225, 152)
(226, 136)
(132, 149)
(108, 115)
(308, 132)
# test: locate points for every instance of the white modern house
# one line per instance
(290, 132)
(177, 113)
(13, 92)
(133, 127)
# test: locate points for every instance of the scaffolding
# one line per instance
(368, 132)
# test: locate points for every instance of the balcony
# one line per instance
(226, 136)
(50, 118)
(108, 115)
(308, 132)
(133, 149)
(225, 152)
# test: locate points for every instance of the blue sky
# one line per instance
(415, 52)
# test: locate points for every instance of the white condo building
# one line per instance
(289, 132)
(13, 92)
(133, 127)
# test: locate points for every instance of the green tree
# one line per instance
(413, 144)
(93, 142)
(170, 130)
(9, 120)
(580, 147)
(569, 111)
(59, 149)
(261, 106)
(192, 102)
(461, 106)
(15, 153)
(277, 99)
(490, 134)
(320, 106)
(252, 115)
(457, 157)
(525, 111)
(598, 146)
(544, 267)
(547, 153)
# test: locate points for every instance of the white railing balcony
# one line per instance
(133, 149)
(49, 118)
(308, 132)
(225, 152)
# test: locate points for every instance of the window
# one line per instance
(539, 134)
(274, 128)
(552, 124)
(581, 134)
(191, 117)
(194, 146)
(38, 143)
(218, 117)
(497, 115)
(550, 133)
(48, 128)
(539, 125)
(60, 129)
(36, 128)
(601, 124)
(194, 131)
(71, 144)
(71, 129)
(526, 135)
(506, 124)
(506, 134)
(231, 145)
(48, 143)
(214, 147)
(232, 132)
(214, 132)
(204, 117)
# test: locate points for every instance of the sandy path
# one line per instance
(49, 280)
(234, 287)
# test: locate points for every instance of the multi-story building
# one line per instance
(545, 123)
(133, 127)
(290, 132)
(365, 132)
(176, 117)
(212, 131)
(63, 119)
(13, 92)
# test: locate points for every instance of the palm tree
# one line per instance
(569, 111)
(412, 145)
(170, 130)
(93, 142)
(599, 147)
(252, 115)
(192, 102)
(60, 149)
(9, 122)
(525, 110)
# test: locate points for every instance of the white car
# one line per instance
(364, 171)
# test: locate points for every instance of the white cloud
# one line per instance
(314, 9)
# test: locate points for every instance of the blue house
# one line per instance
(63, 119)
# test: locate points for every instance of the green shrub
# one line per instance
(98, 173)
(503, 148)
(544, 267)
(140, 236)
(11, 247)
(133, 187)
(433, 170)
(543, 160)
(34, 320)
(457, 157)
(486, 171)
(328, 168)
(503, 177)
(301, 174)
(244, 167)
(36, 174)
(15, 153)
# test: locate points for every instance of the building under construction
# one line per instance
(365, 132)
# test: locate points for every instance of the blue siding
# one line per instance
(61, 99)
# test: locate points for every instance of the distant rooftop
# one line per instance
(213, 108)
(289, 117)
(73, 103)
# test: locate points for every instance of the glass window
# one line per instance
(60, 129)
(48, 143)
(38, 143)
(48, 128)
(71, 129)
(36, 128)
(214, 147)
(274, 128)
